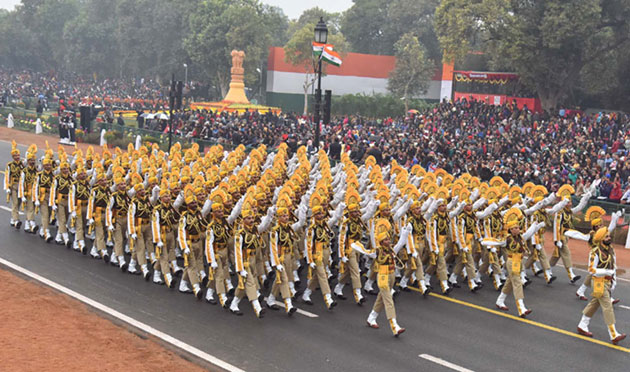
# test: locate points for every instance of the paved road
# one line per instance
(339, 340)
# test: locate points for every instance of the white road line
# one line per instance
(299, 311)
(8, 209)
(131, 321)
(624, 307)
(444, 363)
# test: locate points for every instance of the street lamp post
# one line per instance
(185, 74)
(321, 36)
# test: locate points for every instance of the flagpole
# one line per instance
(321, 36)
(318, 100)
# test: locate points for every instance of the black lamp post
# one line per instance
(321, 36)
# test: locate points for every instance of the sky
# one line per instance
(292, 8)
(9, 4)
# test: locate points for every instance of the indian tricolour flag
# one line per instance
(327, 53)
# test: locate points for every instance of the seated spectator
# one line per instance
(604, 188)
(615, 192)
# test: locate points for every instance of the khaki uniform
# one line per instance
(43, 185)
(216, 250)
(79, 204)
(60, 194)
(601, 264)
(163, 223)
(29, 176)
(189, 236)
(438, 234)
(117, 219)
(139, 223)
(385, 266)
(97, 212)
(515, 248)
(11, 182)
(468, 233)
(318, 238)
(246, 245)
(563, 221)
(282, 241)
(350, 231)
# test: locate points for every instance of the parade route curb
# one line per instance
(124, 318)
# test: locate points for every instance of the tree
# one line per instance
(550, 44)
(364, 25)
(217, 27)
(413, 71)
(299, 52)
(91, 48)
(374, 26)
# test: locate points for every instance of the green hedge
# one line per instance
(376, 105)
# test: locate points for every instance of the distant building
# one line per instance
(359, 73)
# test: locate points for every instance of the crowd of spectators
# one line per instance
(465, 136)
(474, 137)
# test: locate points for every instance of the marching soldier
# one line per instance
(515, 247)
(493, 231)
(562, 222)
(79, 195)
(537, 214)
(282, 242)
(11, 184)
(438, 230)
(116, 220)
(601, 265)
(216, 252)
(416, 245)
(318, 237)
(385, 256)
(139, 227)
(467, 233)
(59, 195)
(42, 190)
(246, 244)
(189, 237)
(26, 191)
(163, 225)
(351, 230)
(594, 215)
(96, 214)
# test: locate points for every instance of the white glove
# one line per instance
(89, 222)
(73, 215)
(414, 254)
(54, 207)
(8, 191)
(436, 251)
(160, 245)
(214, 265)
(243, 273)
(465, 249)
(23, 200)
(187, 251)
(134, 236)
(312, 265)
(559, 244)
(110, 228)
(539, 247)
(280, 268)
(37, 204)
(493, 250)
(344, 259)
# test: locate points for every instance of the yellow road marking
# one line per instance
(526, 321)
